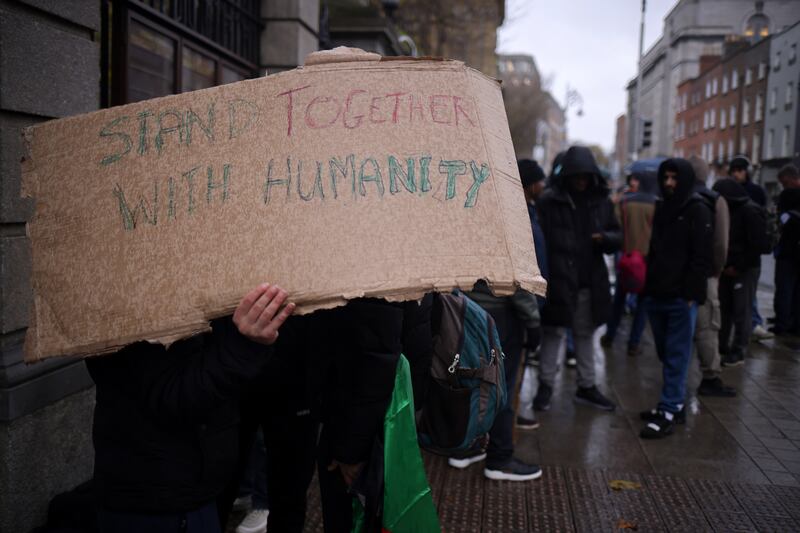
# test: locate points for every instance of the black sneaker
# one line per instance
(570, 361)
(732, 359)
(527, 423)
(715, 387)
(513, 470)
(679, 418)
(592, 396)
(542, 400)
(658, 428)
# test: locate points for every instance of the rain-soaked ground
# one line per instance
(734, 466)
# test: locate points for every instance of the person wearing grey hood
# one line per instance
(579, 226)
(706, 334)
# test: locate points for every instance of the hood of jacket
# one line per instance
(580, 160)
(685, 177)
(732, 191)
(789, 199)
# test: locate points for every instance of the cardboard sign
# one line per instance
(351, 176)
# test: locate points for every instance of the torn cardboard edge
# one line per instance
(168, 336)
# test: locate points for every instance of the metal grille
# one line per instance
(233, 24)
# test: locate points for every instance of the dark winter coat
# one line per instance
(789, 220)
(557, 215)
(679, 262)
(748, 231)
(166, 419)
(539, 243)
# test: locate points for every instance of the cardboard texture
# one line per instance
(351, 176)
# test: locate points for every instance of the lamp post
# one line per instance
(573, 98)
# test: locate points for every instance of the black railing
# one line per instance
(232, 24)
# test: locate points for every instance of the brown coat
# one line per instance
(637, 224)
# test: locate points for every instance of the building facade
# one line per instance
(781, 144)
(720, 113)
(694, 28)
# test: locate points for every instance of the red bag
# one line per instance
(632, 265)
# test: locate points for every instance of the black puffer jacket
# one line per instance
(748, 231)
(557, 211)
(789, 221)
(166, 420)
(679, 262)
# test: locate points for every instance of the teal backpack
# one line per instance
(467, 387)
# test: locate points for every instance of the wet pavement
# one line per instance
(734, 466)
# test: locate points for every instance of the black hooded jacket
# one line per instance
(568, 245)
(748, 231)
(789, 220)
(679, 262)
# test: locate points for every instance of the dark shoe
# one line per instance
(542, 400)
(634, 350)
(715, 387)
(654, 414)
(570, 361)
(732, 359)
(527, 423)
(606, 341)
(658, 428)
(592, 396)
(513, 470)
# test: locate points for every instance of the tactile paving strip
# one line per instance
(504, 507)
(461, 500)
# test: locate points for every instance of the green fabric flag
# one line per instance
(407, 499)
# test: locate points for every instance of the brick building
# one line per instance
(720, 113)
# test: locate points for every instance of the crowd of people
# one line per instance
(265, 399)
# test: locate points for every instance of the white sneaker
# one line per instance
(760, 334)
(464, 462)
(254, 522)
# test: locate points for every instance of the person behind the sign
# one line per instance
(579, 227)
(165, 419)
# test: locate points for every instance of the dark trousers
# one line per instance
(672, 321)
(254, 482)
(203, 520)
(787, 296)
(617, 309)
(501, 443)
(736, 307)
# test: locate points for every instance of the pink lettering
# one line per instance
(290, 106)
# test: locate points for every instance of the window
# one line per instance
(706, 120)
(773, 99)
(748, 76)
(151, 63)
(785, 142)
(762, 70)
(734, 79)
(732, 116)
(725, 84)
(708, 89)
(713, 118)
(792, 53)
(743, 147)
(721, 151)
(770, 144)
(759, 108)
(730, 148)
(714, 86)
(756, 148)
(711, 151)
(683, 100)
(776, 61)
(746, 112)
(722, 119)
(789, 93)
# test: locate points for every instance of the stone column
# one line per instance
(49, 68)
(291, 31)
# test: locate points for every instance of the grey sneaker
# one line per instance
(523, 422)
(513, 470)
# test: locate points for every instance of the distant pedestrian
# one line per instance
(742, 266)
(787, 255)
(678, 267)
(635, 212)
(739, 170)
(579, 226)
(706, 335)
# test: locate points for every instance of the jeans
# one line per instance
(787, 295)
(617, 309)
(553, 338)
(501, 437)
(672, 321)
(736, 306)
(254, 481)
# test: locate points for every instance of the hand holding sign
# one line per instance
(258, 317)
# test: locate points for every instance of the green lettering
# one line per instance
(125, 138)
(453, 169)
(375, 177)
(478, 177)
(406, 177)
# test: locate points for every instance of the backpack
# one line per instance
(758, 228)
(632, 265)
(467, 387)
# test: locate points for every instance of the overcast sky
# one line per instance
(587, 45)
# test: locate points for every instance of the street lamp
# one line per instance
(573, 98)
